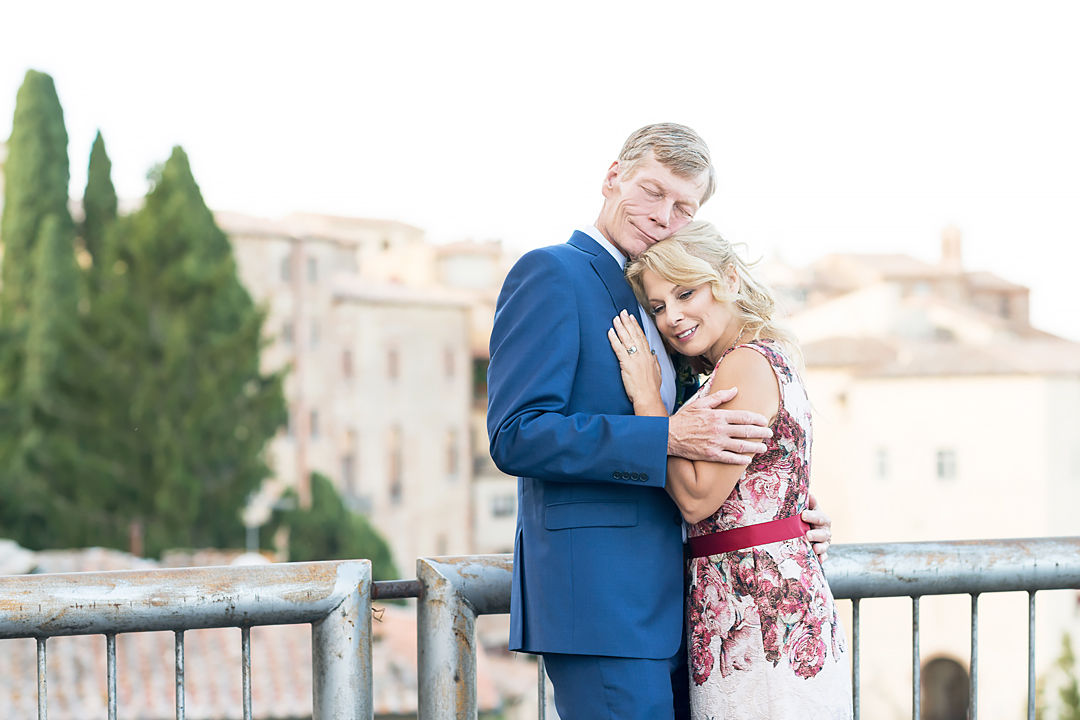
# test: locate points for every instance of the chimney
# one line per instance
(951, 250)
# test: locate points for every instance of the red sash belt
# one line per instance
(741, 538)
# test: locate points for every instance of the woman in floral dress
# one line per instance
(764, 638)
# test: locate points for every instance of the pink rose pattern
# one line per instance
(769, 603)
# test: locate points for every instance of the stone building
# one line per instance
(940, 414)
(380, 383)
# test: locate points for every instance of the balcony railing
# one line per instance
(335, 598)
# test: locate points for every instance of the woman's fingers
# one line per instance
(616, 344)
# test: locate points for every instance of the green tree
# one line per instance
(43, 463)
(188, 413)
(1064, 678)
(1069, 692)
(35, 187)
(99, 203)
(327, 530)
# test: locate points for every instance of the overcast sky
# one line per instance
(835, 126)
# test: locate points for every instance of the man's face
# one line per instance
(648, 206)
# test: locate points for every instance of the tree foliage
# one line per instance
(35, 187)
(190, 412)
(327, 530)
(135, 400)
(99, 203)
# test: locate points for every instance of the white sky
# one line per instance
(835, 126)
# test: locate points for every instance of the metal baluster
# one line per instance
(541, 689)
(973, 699)
(855, 655)
(245, 652)
(179, 675)
(916, 679)
(1031, 655)
(110, 672)
(42, 687)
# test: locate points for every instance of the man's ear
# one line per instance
(611, 178)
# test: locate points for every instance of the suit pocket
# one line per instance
(590, 514)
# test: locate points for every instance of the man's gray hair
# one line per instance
(676, 147)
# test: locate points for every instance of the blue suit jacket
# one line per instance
(598, 562)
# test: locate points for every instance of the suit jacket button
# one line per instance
(615, 476)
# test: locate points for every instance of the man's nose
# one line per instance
(662, 213)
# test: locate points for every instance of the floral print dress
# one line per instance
(764, 637)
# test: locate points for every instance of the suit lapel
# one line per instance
(609, 272)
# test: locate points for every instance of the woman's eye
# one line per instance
(686, 295)
(657, 309)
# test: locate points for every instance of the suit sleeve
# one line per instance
(535, 352)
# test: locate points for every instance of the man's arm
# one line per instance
(698, 431)
(535, 353)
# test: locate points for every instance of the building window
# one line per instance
(881, 463)
(287, 332)
(348, 472)
(946, 464)
(346, 363)
(286, 269)
(452, 455)
(314, 333)
(392, 363)
(503, 505)
(313, 424)
(394, 450)
(312, 270)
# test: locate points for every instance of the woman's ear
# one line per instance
(731, 277)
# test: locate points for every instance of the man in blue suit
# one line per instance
(598, 559)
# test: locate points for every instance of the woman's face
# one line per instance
(691, 320)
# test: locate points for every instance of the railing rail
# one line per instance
(335, 598)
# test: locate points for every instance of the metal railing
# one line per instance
(335, 598)
(455, 590)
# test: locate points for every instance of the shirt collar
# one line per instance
(595, 234)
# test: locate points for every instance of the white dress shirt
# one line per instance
(656, 343)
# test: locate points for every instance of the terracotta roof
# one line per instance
(872, 357)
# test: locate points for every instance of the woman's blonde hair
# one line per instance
(698, 254)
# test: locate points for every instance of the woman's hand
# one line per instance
(639, 365)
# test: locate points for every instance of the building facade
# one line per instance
(940, 414)
(379, 387)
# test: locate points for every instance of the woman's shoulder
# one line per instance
(742, 363)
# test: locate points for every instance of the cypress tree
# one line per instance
(44, 463)
(35, 186)
(99, 202)
(190, 412)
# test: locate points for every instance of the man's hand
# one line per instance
(701, 432)
(820, 532)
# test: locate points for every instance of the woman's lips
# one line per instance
(686, 335)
